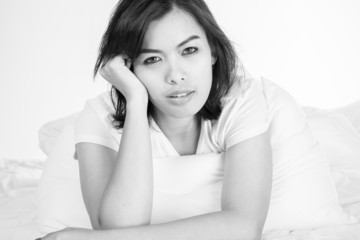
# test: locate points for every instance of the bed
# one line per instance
(338, 131)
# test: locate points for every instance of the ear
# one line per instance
(213, 59)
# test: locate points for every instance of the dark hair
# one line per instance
(125, 33)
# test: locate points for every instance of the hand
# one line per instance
(117, 72)
(70, 234)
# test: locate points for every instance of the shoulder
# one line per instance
(102, 104)
(245, 94)
(243, 89)
(95, 125)
(256, 92)
(244, 114)
(99, 108)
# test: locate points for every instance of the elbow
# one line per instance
(121, 217)
(250, 231)
(118, 222)
(100, 221)
(244, 227)
(255, 234)
(107, 226)
(103, 223)
(96, 225)
(255, 229)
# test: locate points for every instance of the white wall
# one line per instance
(48, 49)
(310, 47)
(47, 52)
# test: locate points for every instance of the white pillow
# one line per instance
(61, 204)
(352, 112)
(59, 193)
(337, 136)
(50, 131)
(340, 140)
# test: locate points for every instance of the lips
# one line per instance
(180, 94)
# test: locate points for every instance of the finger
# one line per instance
(124, 60)
(120, 60)
(115, 61)
(128, 63)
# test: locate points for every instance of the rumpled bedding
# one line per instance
(18, 204)
(19, 179)
(18, 200)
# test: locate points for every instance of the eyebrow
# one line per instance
(149, 50)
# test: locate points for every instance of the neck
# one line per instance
(177, 127)
(183, 133)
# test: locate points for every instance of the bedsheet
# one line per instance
(18, 200)
(18, 206)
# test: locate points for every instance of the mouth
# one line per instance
(180, 94)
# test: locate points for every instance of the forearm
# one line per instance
(223, 225)
(127, 200)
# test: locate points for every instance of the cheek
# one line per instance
(148, 79)
(202, 63)
(144, 76)
(202, 71)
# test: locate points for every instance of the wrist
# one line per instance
(138, 103)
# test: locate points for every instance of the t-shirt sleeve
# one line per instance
(245, 115)
(94, 125)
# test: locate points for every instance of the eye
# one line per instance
(152, 60)
(190, 50)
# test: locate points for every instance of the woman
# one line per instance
(176, 93)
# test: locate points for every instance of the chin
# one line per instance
(181, 112)
(189, 109)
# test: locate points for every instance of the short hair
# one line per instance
(125, 33)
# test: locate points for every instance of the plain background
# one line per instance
(48, 49)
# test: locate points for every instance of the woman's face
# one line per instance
(175, 65)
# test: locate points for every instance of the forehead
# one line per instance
(172, 28)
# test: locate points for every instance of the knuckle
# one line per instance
(102, 72)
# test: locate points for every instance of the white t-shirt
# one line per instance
(186, 186)
(243, 116)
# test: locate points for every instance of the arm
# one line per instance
(127, 200)
(245, 201)
(117, 187)
(120, 182)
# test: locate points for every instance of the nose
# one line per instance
(175, 73)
